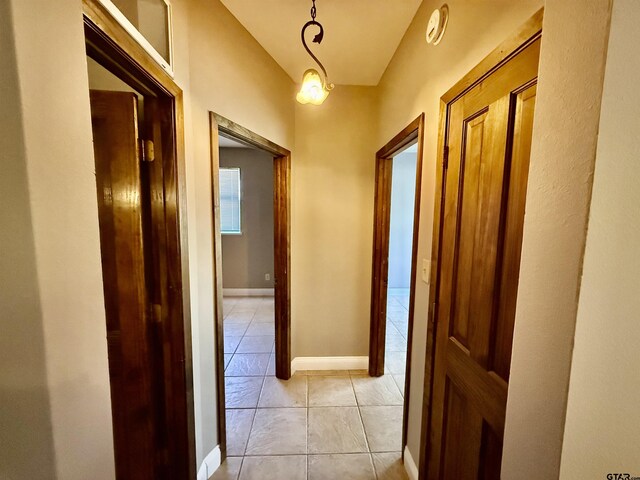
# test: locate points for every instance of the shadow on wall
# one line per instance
(25, 414)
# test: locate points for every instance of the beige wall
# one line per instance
(222, 68)
(603, 419)
(25, 412)
(231, 74)
(418, 75)
(248, 257)
(562, 157)
(332, 224)
(52, 82)
(52, 75)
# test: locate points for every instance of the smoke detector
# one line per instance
(437, 25)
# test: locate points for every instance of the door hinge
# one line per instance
(147, 153)
(445, 157)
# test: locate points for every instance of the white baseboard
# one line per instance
(248, 292)
(329, 363)
(210, 464)
(410, 465)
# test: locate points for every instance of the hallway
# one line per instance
(319, 424)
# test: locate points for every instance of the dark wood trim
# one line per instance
(518, 41)
(380, 265)
(132, 373)
(282, 251)
(282, 263)
(382, 210)
(108, 43)
(246, 136)
(408, 135)
(114, 42)
(217, 286)
(433, 289)
(529, 32)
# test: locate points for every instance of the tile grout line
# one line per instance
(364, 430)
(264, 376)
(255, 414)
(240, 469)
(308, 407)
(255, 411)
(312, 454)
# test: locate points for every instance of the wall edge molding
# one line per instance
(410, 465)
(210, 464)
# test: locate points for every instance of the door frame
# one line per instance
(380, 268)
(282, 251)
(529, 32)
(109, 43)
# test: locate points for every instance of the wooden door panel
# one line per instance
(489, 134)
(487, 225)
(487, 392)
(513, 226)
(490, 454)
(115, 137)
(473, 135)
(461, 442)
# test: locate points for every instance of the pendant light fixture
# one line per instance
(315, 88)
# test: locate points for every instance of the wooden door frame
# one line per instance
(381, 227)
(282, 251)
(529, 32)
(108, 42)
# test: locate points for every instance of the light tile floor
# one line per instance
(397, 333)
(325, 425)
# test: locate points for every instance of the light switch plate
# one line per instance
(426, 270)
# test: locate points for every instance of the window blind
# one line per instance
(230, 214)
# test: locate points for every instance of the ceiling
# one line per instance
(360, 36)
(226, 142)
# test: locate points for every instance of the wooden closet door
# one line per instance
(129, 329)
(489, 136)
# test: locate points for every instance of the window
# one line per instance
(230, 215)
(149, 23)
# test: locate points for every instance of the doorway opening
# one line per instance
(395, 241)
(251, 203)
(402, 206)
(136, 115)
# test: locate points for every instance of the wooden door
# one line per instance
(130, 334)
(488, 138)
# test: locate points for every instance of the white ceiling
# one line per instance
(360, 36)
(411, 149)
(225, 142)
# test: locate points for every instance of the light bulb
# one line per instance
(313, 89)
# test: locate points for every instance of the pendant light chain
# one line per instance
(315, 88)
